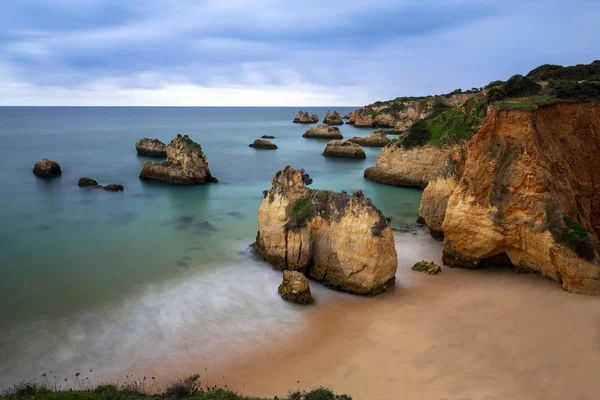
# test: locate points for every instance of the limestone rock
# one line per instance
(46, 168)
(303, 118)
(295, 288)
(347, 116)
(341, 240)
(186, 164)
(343, 148)
(263, 144)
(151, 147)
(332, 119)
(375, 139)
(427, 267)
(86, 182)
(323, 132)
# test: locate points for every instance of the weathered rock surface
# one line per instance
(332, 119)
(323, 132)
(303, 118)
(86, 182)
(529, 196)
(341, 240)
(263, 144)
(151, 147)
(295, 288)
(186, 164)
(343, 148)
(46, 168)
(375, 139)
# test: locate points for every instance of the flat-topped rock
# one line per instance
(303, 118)
(323, 132)
(263, 144)
(186, 164)
(46, 168)
(295, 288)
(343, 148)
(375, 139)
(151, 147)
(332, 119)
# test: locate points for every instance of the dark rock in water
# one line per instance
(46, 168)
(295, 288)
(195, 248)
(267, 137)
(235, 214)
(86, 182)
(206, 226)
(323, 132)
(343, 148)
(113, 187)
(182, 263)
(263, 144)
(151, 147)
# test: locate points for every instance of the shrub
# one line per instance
(576, 237)
(496, 93)
(574, 90)
(548, 72)
(519, 86)
(299, 213)
(417, 135)
(494, 84)
(183, 387)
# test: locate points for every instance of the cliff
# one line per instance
(339, 239)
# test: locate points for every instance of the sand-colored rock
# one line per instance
(339, 239)
(323, 132)
(343, 148)
(347, 116)
(375, 139)
(295, 288)
(186, 164)
(303, 118)
(333, 119)
(46, 168)
(151, 147)
(263, 144)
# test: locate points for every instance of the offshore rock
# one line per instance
(46, 168)
(343, 148)
(151, 147)
(323, 132)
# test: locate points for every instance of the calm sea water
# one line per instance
(91, 279)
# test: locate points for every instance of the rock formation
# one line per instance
(151, 147)
(323, 132)
(333, 119)
(46, 168)
(185, 165)
(86, 182)
(375, 139)
(295, 288)
(347, 116)
(303, 118)
(528, 196)
(113, 187)
(263, 144)
(338, 239)
(343, 148)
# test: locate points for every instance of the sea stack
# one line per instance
(332, 119)
(186, 164)
(46, 168)
(343, 148)
(323, 132)
(375, 139)
(151, 147)
(263, 144)
(303, 118)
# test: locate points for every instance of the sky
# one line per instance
(278, 52)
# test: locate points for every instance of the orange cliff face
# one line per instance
(529, 195)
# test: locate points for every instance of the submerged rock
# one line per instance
(295, 288)
(89, 182)
(186, 164)
(113, 187)
(263, 144)
(339, 239)
(86, 182)
(375, 139)
(427, 267)
(46, 168)
(151, 147)
(303, 118)
(333, 119)
(323, 132)
(343, 148)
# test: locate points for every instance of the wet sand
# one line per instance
(487, 334)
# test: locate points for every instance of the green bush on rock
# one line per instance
(427, 267)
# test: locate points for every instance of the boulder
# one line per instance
(263, 144)
(323, 132)
(303, 118)
(343, 148)
(86, 182)
(151, 147)
(113, 187)
(332, 119)
(46, 168)
(375, 139)
(295, 288)
(341, 240)
(186, 164)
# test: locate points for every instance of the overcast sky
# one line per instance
(277, 52)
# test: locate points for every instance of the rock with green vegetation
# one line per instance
(427, 267)
(332, 119)
(86, 182)
(341, 240)
(263, 144)
(375, 139)
(303, 118)
(323, 132)
(343, 148)
(295, 288)
(151, 147)
(186, 164)
(46, 168)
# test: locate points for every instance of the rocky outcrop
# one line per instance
(347, 116)
(413, 167)
(375, 139)
(339, 239)
(46, 168)
(343, 148)
(185, 165)
(295, 288)
(151, 147)
(263, 144)
(323, 132)
(332, 119)
(303, 118)
(86, 182)
(529, 196)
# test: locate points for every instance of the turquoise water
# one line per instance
(96, 272)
